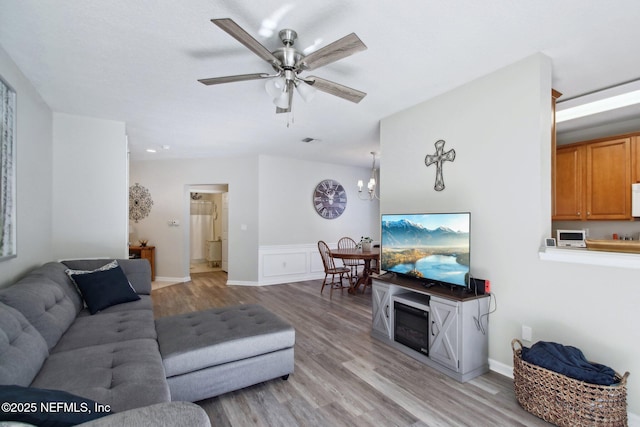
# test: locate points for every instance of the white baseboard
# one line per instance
(173, 279)
(501, 368)
(243, 283)
(292, 279)
(277, 281)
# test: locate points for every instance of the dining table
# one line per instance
(366, 256)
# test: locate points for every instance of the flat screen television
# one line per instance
(433, 247)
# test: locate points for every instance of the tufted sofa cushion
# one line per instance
(144, 303)
(56, 272)
(107, 328)
(126, 374)
(44, 303)
(197, 340)
(22, 348)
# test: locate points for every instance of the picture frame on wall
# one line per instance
(8, 113)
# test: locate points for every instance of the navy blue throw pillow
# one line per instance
(43, 407)
(102, 289)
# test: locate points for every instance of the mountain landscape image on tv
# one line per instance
(432, 246)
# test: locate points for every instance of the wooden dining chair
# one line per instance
(331, 269)
(352, 264)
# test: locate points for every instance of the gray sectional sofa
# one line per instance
(49, 340)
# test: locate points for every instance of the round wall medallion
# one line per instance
(329, 199)
(140, 202)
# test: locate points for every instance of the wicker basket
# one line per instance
(565, 401)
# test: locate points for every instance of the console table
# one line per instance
(457, 324)
(145, 252)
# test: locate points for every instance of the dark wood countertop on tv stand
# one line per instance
(454, 293)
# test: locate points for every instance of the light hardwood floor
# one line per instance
(342, 377)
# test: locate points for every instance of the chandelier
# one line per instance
(371, 185)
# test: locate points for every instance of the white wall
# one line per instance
(168, 182)
(90, 202)
(287, 215)
(600, 229)
(499, 126)
(270, 206)
(289, 225)
(34, 174)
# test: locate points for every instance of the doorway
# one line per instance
(207, 228)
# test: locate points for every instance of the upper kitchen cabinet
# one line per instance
(593, 179)
(635, 159)
(569, 183)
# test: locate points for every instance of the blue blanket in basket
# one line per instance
(568, 361)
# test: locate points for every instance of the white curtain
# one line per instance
(201, 228)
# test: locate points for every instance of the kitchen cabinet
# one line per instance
(568, 194)
(593, 180)
(608, 179)
(635, 159)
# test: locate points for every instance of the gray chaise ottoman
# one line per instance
(211, 352)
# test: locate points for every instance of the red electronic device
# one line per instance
(479, 286)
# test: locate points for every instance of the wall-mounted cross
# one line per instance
(437, 158)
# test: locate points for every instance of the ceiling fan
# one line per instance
(288, 63)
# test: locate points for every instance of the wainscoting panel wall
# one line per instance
(290, 263)
(284, 264)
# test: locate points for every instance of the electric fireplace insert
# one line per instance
(411, 327)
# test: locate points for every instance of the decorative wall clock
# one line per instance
(329, 199)
(140, 202)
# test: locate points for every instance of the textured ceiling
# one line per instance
(139, 61)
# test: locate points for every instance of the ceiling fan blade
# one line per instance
(230, 79)
(235, 31)
(336, 89)
(346, 46)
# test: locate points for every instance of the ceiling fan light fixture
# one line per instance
(282, 100)
(275, 86)
(306, 91)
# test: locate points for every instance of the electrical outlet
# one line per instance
(527, 333)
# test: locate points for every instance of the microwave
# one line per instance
(572, 238)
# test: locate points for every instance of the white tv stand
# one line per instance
(458, 347)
